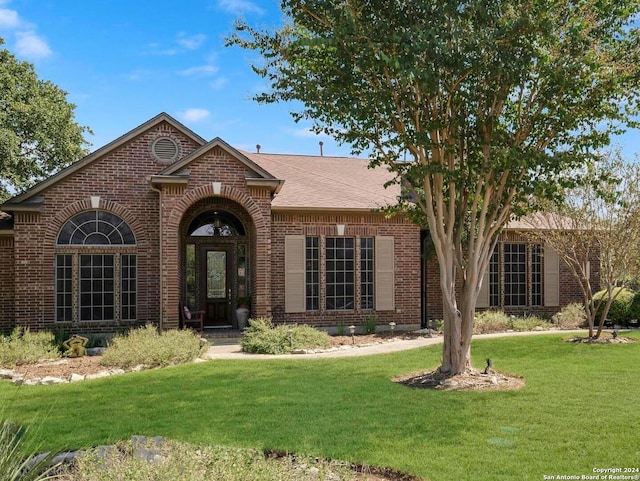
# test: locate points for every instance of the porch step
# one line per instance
(222, 336)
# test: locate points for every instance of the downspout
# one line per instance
(161, 283)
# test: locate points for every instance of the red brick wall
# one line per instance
(120, 179)
(407, 264)
(7, 287)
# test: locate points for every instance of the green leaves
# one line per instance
(38, 134)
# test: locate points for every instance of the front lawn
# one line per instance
(578, 411)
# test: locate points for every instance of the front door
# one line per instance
(216, 286)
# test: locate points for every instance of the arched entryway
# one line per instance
(216, 255)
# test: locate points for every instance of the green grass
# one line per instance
(578, 410)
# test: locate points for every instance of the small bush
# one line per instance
(620, 310)
(370, 324)
(145, 346)
(262, 337)
(529, 323)
(571, 316)
(634, 309)
(25, 347)
(491, 321)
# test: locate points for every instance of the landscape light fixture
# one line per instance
(352, 330)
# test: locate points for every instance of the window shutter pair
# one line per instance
(295, 275)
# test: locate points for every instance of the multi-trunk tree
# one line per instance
(38, 134)
(598, 222)
(489, 102)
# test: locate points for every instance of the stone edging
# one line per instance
(22, 380)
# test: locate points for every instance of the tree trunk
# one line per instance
(456, 349)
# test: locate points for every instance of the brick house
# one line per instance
(160, 217)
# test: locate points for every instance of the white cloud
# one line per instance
(9, 19)
(200, 71)
(182, 43)
(194, 115)
(218, 83)
(238, 7)
(31, 46)
(192, 42)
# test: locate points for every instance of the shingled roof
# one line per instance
(320, 183)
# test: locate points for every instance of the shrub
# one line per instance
(497, 321)
(634, 308)
(491, 321)
(145, 346)
(620, 310)
(262, 337)
(370, 324)
(529, 323)
(25, 347)
(571, 316)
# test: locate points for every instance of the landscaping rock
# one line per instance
(98, 375)
(96, 351)
(76, 377)
(6, 374)
(51, 380)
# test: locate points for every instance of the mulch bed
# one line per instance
(470, 380)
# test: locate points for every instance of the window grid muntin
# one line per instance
(64, 287)
(96, 227)
(128, 287)
(536, 275)
(312, 273)
(340, 273)
(97, 287)
(366, 273)
(515, 274)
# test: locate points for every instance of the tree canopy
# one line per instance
(493, 102)
(38, 134)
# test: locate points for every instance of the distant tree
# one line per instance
(598, 220)
(492, 101)
(38, 134)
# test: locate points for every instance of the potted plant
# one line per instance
(243, 310)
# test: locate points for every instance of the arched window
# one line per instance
(98, 284)
(215, 224)
(96, 227)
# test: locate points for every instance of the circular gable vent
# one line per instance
(165, 149)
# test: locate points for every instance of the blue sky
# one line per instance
(124, 61)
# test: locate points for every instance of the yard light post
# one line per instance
(352, 330)
(392, 326)
(290, 331)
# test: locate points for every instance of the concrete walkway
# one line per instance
(232, 351)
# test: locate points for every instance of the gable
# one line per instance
(130, 155)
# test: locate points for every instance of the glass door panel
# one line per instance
(216, 274)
